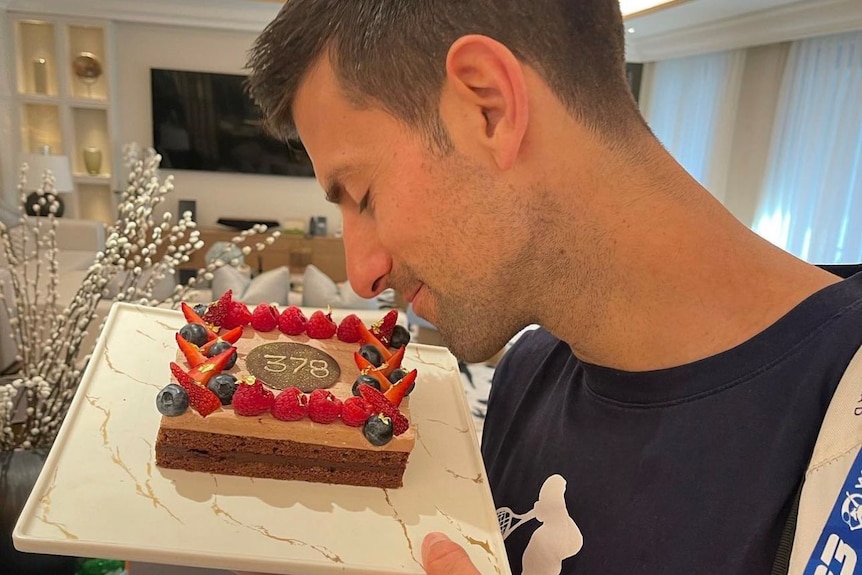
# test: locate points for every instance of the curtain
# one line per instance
(811, 201)
(755, 120)
(691, 105)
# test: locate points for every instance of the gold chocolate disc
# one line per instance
(284, 364)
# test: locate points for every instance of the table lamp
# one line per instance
(62, 170)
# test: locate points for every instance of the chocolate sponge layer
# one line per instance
(278, 459)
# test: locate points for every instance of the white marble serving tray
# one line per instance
(100, 493)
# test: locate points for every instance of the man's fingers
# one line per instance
(442, 556)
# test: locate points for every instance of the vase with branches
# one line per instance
(141, 249)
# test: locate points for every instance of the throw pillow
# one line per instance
(352, 300)
(229, 278)
(319, 291)
(268, 287)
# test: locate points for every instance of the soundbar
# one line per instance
(241, 224)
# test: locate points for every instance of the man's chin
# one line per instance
(470, 349)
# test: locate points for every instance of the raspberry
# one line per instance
(323, 407)
(292, 321)
(290, 405)
(217, 312)
(355, 411)
(379, 404)
(202, 399)
(264, 317)
(320, 326)
(252, 399)
(348, 331)
(238, 315)
(382, 329)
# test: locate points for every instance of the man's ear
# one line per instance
(487, 84)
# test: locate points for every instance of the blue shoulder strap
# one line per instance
(828, 526)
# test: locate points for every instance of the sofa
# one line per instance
(310, 291)
(79, 241)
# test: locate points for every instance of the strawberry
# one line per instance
(201, 399)
(202, 373)
(320, 326)
(368, 338)
(393, 362)
(237, 316)
(292, 321)
(348, 331)
(367, 368)
(264, 317)
(379, 404)
(217, 312)
(190, 351)
(290, 405)
(355, 411)
(323, 407)
(401, 388)
(382, 329)
(252, 398)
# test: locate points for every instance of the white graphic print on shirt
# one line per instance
(557, 538)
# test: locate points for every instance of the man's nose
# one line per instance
(368, 262)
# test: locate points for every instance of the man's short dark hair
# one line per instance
(392, 53)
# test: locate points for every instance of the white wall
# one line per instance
(144, 46)
(8, 171)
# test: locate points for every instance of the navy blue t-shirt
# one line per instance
(690, 469)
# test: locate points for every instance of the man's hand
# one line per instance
(442, 556)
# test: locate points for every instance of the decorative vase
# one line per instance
(93, 160)
(43, 202)
(19, 470)
(40, 75)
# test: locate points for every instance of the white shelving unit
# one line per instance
(67, 107)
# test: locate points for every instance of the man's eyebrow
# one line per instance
(334, 190)
(334, 185)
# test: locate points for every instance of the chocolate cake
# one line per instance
(262, 445)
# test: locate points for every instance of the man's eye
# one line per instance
(363, 203)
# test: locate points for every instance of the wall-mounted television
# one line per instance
(206, 121)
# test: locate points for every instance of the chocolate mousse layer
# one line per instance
(278, 459)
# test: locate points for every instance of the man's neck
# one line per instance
(675, 279)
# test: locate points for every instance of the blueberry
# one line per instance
(219, 347)
(172, 400)
(400, 337)
(372, 354)
(366, 379)
(223, 385)
(201, 309)
(194, 333)
(378, 429)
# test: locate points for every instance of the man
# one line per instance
(491, 165)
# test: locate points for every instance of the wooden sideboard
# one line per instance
(291, 250)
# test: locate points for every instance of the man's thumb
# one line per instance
(442, 556)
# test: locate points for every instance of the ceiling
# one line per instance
(699, 26)
(683, 27)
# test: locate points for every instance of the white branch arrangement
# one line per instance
(139, 253)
